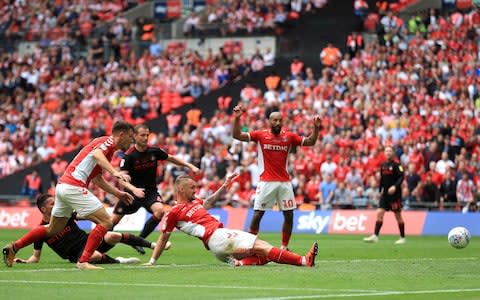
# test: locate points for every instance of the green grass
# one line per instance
(424, 268)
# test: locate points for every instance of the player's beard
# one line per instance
(276, 130)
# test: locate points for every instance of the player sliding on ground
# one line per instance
(69, 243)
(237, 247)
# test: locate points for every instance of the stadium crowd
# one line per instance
(53, 102)
(413, 89)
(247, 17)
(416, 88)
(24, 20)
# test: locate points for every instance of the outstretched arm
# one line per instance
(312, 139)
(237, 130)
(180, 162)
(103, 162)
(35, 258)
(107, 187)
(210, 201)
(138, 192)
(159, 247)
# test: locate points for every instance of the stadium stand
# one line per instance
(413, 87)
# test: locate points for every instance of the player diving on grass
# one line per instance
(235, 247)
(69, 243)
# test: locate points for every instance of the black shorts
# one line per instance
(103, 248)
(390, 203)
(77, 250)
(151, 196)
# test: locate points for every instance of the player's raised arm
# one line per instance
(312, 138)
(237, 130)
(180, 162)
(208, 203)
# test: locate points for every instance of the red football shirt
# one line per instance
(273, 152)
(193, 219)
(84, 167)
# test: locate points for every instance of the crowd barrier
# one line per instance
(316, 222)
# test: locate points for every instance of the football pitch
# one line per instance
(347, 268)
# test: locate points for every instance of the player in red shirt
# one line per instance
(237, 247)
(273, 146)
(72, 194)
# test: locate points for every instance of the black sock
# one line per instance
(150, 226)
(378, 225)
(107, 260)
(134, 240)
(401, 226)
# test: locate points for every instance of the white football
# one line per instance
(459, 237)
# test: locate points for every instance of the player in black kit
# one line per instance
(69, 242)
(391, 177)
(141, 163)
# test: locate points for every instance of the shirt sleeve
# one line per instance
(107, 145)
(160, 154)
(170, 222)
(297, 140)
(126, 163)
(38, 245)
(254, 136)
(400, 175)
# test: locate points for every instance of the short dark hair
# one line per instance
(141, 126)
(41, 199)
(122, 126)
(181, 178)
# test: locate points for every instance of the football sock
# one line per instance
(134, 240)
(378, 225)
(149, 226)
(36, 234)
(285, 238)
(94, 240)
(284, 257)
(401, 226)
(253, 261)
(104, 247)
(107, 260)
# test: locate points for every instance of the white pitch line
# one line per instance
(112, 267)
(386, 293)
(167, 285)
(366, 260)
(320, 262)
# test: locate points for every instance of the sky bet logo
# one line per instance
(312, 222)
(339, 223)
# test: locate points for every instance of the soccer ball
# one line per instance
(459, 237)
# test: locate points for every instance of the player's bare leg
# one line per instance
(104, 223)
(378, 225)
(401, 227)
(255, 223)
(286, 228)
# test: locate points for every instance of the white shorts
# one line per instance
(270, 192)
(69, 198)
(225, 242)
